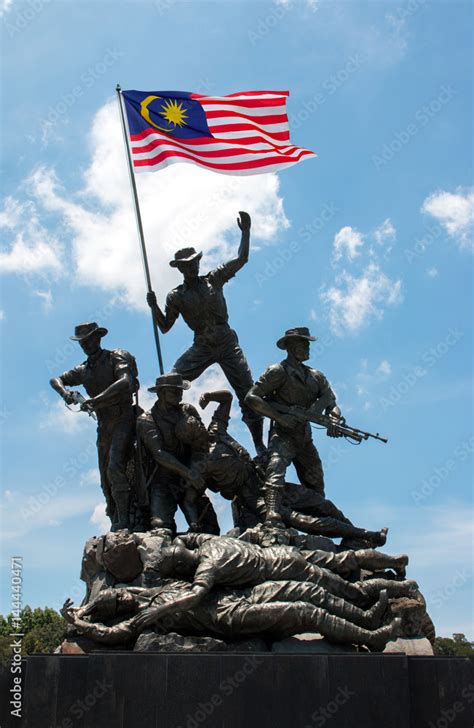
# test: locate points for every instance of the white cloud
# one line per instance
(311, 4)
(5, 6)
(356, 300)
(455, 212)
(30, 513)
(46, 298)
(181, 205)
(361, 293)
(56, 416)
(369, 380)
(432, 272)
(2, 315)
(90, 477)
(384, 369)
(32, 249)
(100, 519)
(453, 526)
(347, 241)
(385, 232)
(412, 528)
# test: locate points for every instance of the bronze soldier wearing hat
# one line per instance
(291, 383)
(175, 437)
(200, 301)
(110, 380)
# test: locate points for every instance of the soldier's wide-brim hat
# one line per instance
(185, 255)
(82, 331)
(170, 380)
(299, 332)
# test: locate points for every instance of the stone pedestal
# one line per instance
(264, 690)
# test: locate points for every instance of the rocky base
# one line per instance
(304, 643)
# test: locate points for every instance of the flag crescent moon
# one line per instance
(146, 114)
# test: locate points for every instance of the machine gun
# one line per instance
(79, 400)
(315, 414)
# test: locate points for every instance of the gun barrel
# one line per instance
(353, 435)
(366, 435)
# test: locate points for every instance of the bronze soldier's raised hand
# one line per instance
(204, 400)
(67, 611)
(244, 221)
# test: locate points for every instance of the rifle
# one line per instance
(79, 400)
(315, 414)
(141, 483)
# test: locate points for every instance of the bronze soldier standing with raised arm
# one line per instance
(110, 380)
(200, 301)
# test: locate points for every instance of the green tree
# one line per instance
(458, 646)
(44, 630)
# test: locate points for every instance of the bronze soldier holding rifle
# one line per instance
(292, 383)
(292, 395)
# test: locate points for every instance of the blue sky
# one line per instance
(369, 244)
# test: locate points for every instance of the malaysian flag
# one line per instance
(243, 133)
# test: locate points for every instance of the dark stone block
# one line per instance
(186, 706)
(147, 706)
(224, 689)
(71, 690)
(442, 692)
(109, 684)
(244, 690)
(5, 685)
(41, 691)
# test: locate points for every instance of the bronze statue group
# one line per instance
(272, 575)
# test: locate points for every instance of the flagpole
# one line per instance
(139, 223)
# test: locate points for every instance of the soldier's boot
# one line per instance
(337, 629)
(370, 618)
(340, 587)
(122, 508)
(372, 588)
(273, 497)
(375, 561)
(378, 538)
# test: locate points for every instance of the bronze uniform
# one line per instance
(230, 470)
(204, 309)
(116, 422)
(300, 386)
(172, 432)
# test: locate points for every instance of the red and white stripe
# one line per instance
(250, 136)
